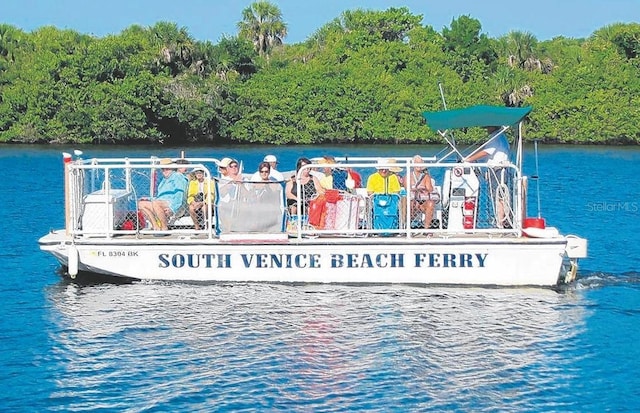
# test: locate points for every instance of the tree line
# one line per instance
(364, 77)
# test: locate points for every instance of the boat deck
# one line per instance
(421, 238)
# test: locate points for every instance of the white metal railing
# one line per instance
(105, 196)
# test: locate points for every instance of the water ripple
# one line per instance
(163, 346)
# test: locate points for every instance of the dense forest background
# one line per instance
(364, 77)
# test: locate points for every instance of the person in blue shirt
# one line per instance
(170, 197)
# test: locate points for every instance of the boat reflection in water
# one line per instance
(313, 347)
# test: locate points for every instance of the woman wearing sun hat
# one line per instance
(384, 181)
(201, 193)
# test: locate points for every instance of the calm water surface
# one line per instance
(245, 347)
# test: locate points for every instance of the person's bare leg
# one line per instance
(147, 210)
(159, 208)
(195, 210)
(428, 207)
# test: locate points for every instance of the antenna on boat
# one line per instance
(444, 104)
(537, 176)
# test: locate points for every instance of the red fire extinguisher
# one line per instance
(469, 212)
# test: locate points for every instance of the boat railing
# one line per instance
(474, 199)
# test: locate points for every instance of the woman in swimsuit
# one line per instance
(310, 186)
(423, 196)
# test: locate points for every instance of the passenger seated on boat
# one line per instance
(326, 180)
(229, 180)
(229, 170)
(334, 177)
(200, 195)
(263, 174)
(265, 187)
(383, 181)
(170, 198)
(273, 164)
(310, 186)
(422, 194)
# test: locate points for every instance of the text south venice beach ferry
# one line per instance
(334, 260)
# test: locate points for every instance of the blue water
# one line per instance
(244, 347)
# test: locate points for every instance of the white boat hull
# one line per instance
(458, 261)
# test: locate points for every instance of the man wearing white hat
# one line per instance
(274, 173)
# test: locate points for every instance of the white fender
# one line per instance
(73, 261)
(548, 232)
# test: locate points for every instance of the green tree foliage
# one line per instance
(365, 76)
(469, 52)
(152, 84)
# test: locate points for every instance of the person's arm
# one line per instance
(288, 189)
(425, 182)
(372, 184)
(394, 184)
(192, 191)
(319, 188)
(476, 156)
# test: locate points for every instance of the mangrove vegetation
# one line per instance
(364, 77)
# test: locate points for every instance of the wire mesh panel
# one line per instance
(250, 207)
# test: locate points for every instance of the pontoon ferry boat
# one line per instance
(477, 231)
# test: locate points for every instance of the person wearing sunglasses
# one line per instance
(229, 170)
(263, 174)
(384, 180)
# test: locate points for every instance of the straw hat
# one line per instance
(394, 168)
(388, 164)
(225, 162)
(326, 161)
(166, 161)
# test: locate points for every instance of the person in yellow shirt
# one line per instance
(383, 181)
(200, 194)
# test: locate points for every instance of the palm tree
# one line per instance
(176, 45)
(521, 47)
(262, 24)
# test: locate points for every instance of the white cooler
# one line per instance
(104, 213)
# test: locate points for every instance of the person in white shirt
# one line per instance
(273, 162)
(496, 151)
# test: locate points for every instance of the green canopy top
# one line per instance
(475, 116)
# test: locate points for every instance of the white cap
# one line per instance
(270, 158)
